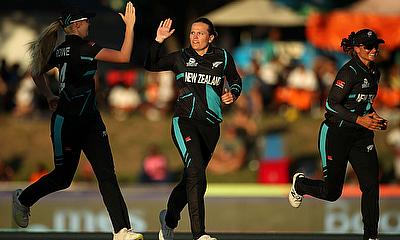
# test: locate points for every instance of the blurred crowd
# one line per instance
(275, 81)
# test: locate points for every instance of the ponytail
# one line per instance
(348, 44)
(42, 48)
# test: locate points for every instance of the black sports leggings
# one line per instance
(338, 146)
(70, 136)
(196, 142)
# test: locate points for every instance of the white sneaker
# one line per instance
(127, 234)
(373, 239)
(294, 198)
(166, 233)
(20, 212)
(206, 237)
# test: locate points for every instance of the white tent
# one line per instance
(381, 7)
(257, 13)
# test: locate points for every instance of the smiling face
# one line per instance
(367, 54)
(200, 37)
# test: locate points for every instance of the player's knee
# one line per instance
(63, 183)
(333, 196)
(195, 173)
(60, 178)
(370, 188)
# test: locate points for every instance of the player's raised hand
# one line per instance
(129, 18)
(164, 30)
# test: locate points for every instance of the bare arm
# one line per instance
(124, 54)
(153, 61)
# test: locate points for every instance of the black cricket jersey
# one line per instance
(75, 61)
(200, 80)
(352, 93)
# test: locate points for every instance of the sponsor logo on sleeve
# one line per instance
(340, 83)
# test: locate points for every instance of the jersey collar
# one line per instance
(72, 37)
(210, 50)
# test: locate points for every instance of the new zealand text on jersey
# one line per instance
(202, 78)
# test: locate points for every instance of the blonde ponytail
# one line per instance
(41, 49)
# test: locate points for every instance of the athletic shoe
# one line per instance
(206, 237)
(127, 234)
(166, 233)
(20, 212)
(294, 198)
(373, 239)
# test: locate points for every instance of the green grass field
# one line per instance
(29, 139)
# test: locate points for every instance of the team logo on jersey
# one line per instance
(365, 84)
(329, 157)
(91, 43)
(340, 83)
(370, 147)
(188, 138)
(104, 133)
(216, 64)
(192, 63)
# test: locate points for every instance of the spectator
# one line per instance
(300, 90)
(159, 94)
(123, 100)
(155, 167)
(389, 94)
(230, 155)
(325, 70)
(302, 78)
(6, 171)
(4, 71)
(393, 139)
(24, 96)
(3, 91)
(12, 82)
(270, 76)
(246, 129)
(250, 88)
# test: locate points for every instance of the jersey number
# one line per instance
(62, 76)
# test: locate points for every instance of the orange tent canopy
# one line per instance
(325, 31)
